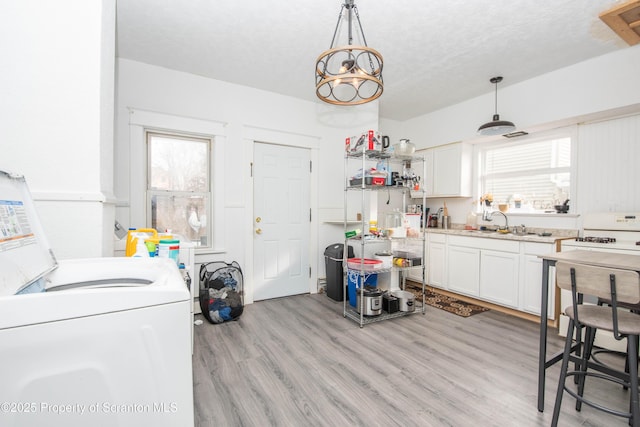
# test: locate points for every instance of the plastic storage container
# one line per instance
(169, 248)
(333, 255)
(355, 282)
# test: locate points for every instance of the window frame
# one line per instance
(131, 210)
(208, 195)
(538, 137)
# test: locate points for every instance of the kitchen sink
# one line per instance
(512, 233)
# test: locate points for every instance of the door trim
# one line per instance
(252, 135)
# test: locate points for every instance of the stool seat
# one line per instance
(600, 317)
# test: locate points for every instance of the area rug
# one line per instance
(446, 303)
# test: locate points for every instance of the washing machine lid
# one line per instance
(25, 254)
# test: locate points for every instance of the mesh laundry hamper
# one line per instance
(221, 296)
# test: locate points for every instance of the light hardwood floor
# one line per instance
(297, 361)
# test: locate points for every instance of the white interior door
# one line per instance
(282, 225)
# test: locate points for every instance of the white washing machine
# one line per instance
(100, 342)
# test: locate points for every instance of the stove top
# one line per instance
(594, 239)
(609, 231)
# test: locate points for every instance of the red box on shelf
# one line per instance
(378, 180)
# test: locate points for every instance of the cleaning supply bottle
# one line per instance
(134, 235)
(141, 249)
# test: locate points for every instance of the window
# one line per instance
(528, 176)
(179, 188)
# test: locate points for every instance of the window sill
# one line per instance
(539, 214)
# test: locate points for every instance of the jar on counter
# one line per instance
(472, 221)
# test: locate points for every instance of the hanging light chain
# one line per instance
(335, 32)
(364, 39)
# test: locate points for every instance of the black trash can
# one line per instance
(333, 265)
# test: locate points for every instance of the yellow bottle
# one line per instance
(132, 238)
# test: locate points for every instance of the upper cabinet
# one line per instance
(449, 170)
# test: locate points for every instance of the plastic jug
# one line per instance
(138, 233)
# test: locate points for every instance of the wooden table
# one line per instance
(598, 259)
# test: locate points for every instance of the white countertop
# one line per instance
(533, 235)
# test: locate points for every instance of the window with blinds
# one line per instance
(529, 177)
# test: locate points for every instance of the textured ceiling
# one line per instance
(436, 53)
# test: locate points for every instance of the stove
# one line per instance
(609, 232)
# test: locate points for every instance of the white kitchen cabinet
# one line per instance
(531, 278)
(427, 184)
(499, 273)
(436, 250)
(485, 268)
(506, 272)
(463, 270)
(449, 169)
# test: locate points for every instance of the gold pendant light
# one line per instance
(349, 74)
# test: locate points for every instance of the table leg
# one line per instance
(544, 303)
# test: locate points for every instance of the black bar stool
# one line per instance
(618, 287)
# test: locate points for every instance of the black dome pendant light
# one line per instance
(497, 126)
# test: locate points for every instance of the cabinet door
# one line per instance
(531, 279)
(463, 270)
(428, 179)
(452, 170)
(436, 265)
(499, 277)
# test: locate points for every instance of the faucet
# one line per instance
(487, 216)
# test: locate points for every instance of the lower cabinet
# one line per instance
(532, 279)
(463, 268)
(436, 255)
(499, 273)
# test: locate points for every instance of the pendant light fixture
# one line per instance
(350, 74)
(496, 126)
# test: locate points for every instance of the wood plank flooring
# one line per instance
(297, 361)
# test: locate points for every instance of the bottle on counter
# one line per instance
(472, 219)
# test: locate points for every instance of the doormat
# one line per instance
(446, 303)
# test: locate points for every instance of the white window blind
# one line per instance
(537, 174)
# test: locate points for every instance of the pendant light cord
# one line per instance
(496, 100)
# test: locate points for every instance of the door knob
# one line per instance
(258, 219)
(258, 230)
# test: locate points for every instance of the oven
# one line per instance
(617, 232)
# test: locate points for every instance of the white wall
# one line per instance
(56, 109)
(246, 115)
(599, 84)
(603, 87)
(608, 172)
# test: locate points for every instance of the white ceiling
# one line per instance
(436, 53)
